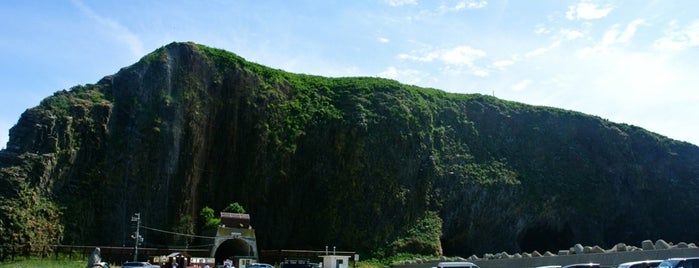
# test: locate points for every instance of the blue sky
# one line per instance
(629, 62)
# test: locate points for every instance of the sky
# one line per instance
(632, 62)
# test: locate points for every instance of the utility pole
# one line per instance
(136, 218)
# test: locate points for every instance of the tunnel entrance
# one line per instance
(544, 237)
(234, 249)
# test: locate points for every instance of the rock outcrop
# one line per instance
(362, 163)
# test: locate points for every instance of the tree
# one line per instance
(234, 208)
(30, 223)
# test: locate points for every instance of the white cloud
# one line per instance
(614, 37)
(384, 40)
(480, 72)
(113, 28)
(541, 51)
(396, 3)
(521, 85)
(679, 39)
(461, 55)
(408, 76)
(501, 64)
(541, 29)
(463, 4)
(471, 4)
(587, 11)
(571, 34)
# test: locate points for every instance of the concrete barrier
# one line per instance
(611, 259)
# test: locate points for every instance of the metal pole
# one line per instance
(137, 237)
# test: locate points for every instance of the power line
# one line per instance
(174, 233)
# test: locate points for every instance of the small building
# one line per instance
(168, 261)
(335, 261)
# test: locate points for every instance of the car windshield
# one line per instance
(668, 264)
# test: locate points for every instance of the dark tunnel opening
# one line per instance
(233, 249)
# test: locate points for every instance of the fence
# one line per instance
(108, 254)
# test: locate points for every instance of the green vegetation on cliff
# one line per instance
(362, 163)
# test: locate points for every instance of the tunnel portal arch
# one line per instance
(234, 248)
(236, 243)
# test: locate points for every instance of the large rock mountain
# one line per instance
(364, 164)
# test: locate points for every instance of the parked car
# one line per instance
(680, 262)
(259, 265)
(456, 264)
(583, 265)
(640, 264)
(135, 264)
(100, 265)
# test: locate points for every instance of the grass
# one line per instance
(43, 263)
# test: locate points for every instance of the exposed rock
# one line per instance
(187, 126)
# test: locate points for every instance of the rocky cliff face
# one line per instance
(360, 163)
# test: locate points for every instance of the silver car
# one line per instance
(640, 264)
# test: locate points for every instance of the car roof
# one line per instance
(679, 259)
(627, 264)
(582, 265)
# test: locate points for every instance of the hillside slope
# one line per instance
(364, 164)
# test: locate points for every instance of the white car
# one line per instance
(640, 264)
(135, 264)
(100, 265)
(583, 265)
(456, 264)
(259, 265)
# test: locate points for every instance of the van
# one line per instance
(456, 264)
